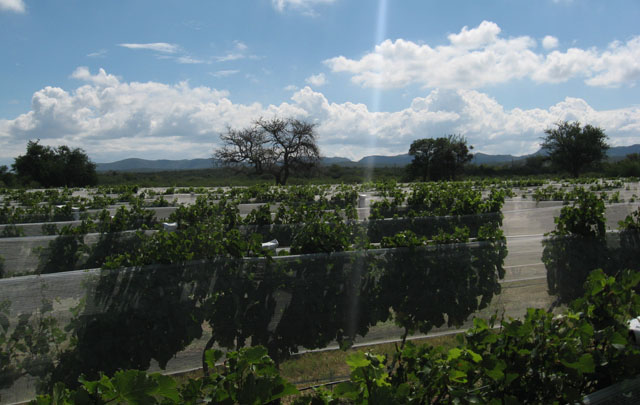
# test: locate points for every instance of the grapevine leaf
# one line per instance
(585, 364)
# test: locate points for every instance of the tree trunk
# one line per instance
(205, 367)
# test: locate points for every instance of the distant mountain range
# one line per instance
(143, 165)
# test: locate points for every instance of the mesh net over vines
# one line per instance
(113, 288)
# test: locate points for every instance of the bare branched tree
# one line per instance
(277, 146)
(292, 147)
(242, 148)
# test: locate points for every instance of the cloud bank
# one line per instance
(481, 57)
(113, 119)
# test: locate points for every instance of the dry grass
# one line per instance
(314, 368)
(318, 367)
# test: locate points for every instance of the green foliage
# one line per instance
(343, 292)
(584, 218)
(541, 358)
(11, 231)
(129, 386)
(580, 244)
(575, 148)
(31, 210)
(55, 167)
(259, 216)
(127, 327)
(369, 381)
(64, 252)
(148, 319)
(629, 250)
(7, 179)
(212, 270)
(568, 356)
(459, 235)
(434, 208)
(403, 239)
(29, 343)
(247, 376)
(627, 167)
(431, 286)
(238, 286)
(576, 247)
(325, 232)
(49, 229)
(631, 222)
(345, 197)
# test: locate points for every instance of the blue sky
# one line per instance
(162, 79)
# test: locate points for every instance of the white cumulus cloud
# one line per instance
(486, 33)
(101, 78)
(17, 6)
(317, 80)
(480, 57)
(549, 42)
(619, 64)
(113, 119)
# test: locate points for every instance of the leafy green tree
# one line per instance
(55, 167)
(439, 158)
(7, 178)
(627, 167)
(574, 148)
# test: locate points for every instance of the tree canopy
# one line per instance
(439, 158)
(574, 148)
(55, 167)
(277, 146)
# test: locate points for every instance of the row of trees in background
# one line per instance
(569, 147)
(280, 147)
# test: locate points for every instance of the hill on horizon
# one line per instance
(144, 165)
